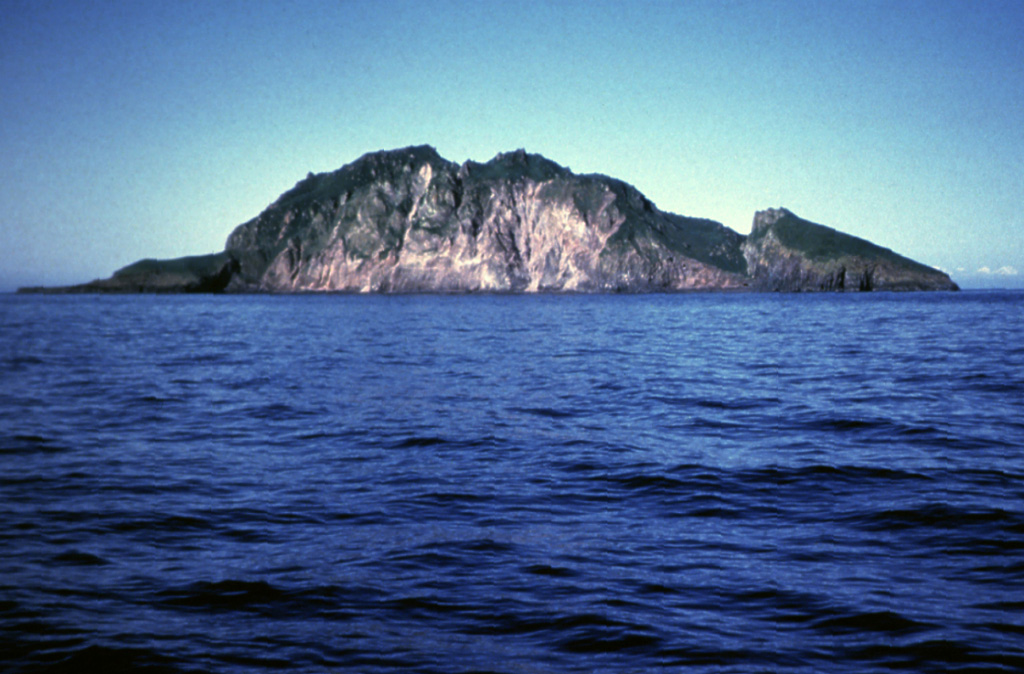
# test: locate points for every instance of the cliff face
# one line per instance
(410, 221)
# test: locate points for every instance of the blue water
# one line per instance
(701, 483)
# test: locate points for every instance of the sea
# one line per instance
(509, 483)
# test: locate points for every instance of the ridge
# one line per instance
(409, 220)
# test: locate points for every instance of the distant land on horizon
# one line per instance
(408, 220)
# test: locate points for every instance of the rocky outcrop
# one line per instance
(410, 221)
(787, 253)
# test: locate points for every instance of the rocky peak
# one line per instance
(406, 156)
(768, 217)
(514, 166)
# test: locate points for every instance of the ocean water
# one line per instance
(700, 483)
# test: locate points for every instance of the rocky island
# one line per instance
(409, 220)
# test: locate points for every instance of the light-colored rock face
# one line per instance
(517, 224)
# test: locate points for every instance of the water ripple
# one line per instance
(726, 483)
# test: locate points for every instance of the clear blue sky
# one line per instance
(151, 129)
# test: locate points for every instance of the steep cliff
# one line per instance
(408, 220)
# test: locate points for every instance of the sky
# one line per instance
(151, 129)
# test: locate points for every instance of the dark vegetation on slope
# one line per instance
(822, 243)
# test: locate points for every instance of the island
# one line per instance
(410, 221)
